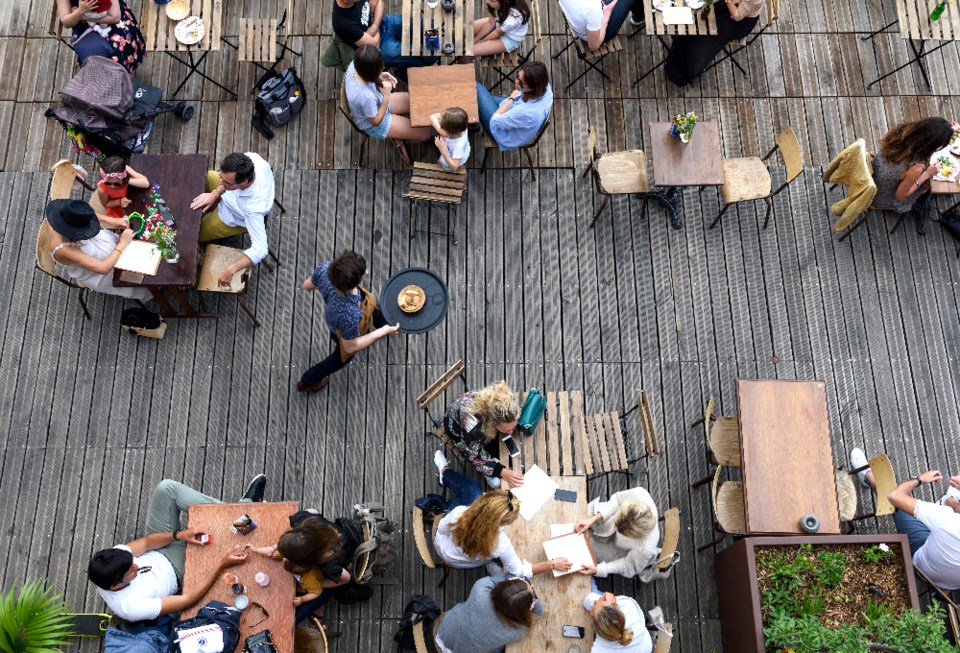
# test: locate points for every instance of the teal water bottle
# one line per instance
(938, 10)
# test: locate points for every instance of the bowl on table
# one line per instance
(695, 4)
(177, 9)
(411, 299)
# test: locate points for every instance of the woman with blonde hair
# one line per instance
(618, 623)
(624, 534)
(471, 536)
(474, 422)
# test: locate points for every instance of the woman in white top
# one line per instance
(503, 30)
(471, 536)
(624, 534)
(87, 252)
(618, 623)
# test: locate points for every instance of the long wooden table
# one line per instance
(786, 458)
(557, 443)
(562, 597)
(277, 598)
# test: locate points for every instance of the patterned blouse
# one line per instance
(466, 432)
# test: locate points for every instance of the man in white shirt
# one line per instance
(238, 198)
(140, 580)
(596, 22)
(933, 529)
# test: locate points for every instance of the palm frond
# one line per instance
(33, 620)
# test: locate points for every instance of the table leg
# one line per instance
(166, 310)
(647, 74)
(672, 198)
(193, 67)
(185, 308)
(882, 29)
(918, 55)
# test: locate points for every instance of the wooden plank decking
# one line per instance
(92, 419)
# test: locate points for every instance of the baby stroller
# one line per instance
(106, 113)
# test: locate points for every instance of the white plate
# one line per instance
(660, 5)
(190, 30)
(695, 4)
(954, 173)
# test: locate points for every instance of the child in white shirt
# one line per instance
(503, 30)
(454, 140)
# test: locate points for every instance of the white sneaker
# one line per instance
(634, 21)
(858, 459)
(952, 493)
(442, 463)
(492, 482)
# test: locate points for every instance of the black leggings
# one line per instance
(333, 363)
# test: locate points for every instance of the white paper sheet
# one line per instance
(537, 488)
(557, 530)
(573, 547)
(139, 256)
(677, 16)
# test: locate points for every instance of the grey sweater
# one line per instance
(474, 627)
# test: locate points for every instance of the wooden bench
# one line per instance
(429, 182)
(426, 549)
(593, 59)
(513, 60)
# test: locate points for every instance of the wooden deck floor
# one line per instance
(92, 419)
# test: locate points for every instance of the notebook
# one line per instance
(677, 16)
(537, 489)
(575, 547)
(139, 256)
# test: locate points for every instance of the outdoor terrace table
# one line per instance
(436, 88)
(277, 597)
(181, 178)
(915, 25)
(557, 445)
(562, 597)
(677, 164)
(158, 33)
(455, 27)
(704, 23)
(785, 454)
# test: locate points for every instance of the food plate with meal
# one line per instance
(411, 299)
(190, 30)
(414, 298)
(949, 165)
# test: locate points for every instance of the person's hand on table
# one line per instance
(204, 201)
(192, 535)
(515, 479)
(233, 559)
(126, 236)
(584, 525)
(560, 564)
(589, 570)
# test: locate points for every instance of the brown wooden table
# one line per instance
(786, 458)
(562, 597)
(181, 178)
(277, 597)
(455, 27)
(704, 21)
(436, 88)
(159, 36)
(677, 164)
(557, 443)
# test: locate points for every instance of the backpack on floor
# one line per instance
(279, 97)
(421, 608)
(367, 540)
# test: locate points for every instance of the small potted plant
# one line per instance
(683, 125)
(32, 619)
(165, 239)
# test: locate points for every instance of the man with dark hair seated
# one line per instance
(140, 580)
(237, 200)
(351, 313)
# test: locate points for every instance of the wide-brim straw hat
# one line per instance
(72, 219)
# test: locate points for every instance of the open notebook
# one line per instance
(139, 256)
(575, 547)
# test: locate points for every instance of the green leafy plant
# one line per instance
(32, 620)
(812, 604)
(875, 553)
(832, 566)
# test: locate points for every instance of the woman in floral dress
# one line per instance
(114, 34)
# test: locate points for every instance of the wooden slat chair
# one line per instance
(770, 15)
(846, 496)
(216, 258)
(948, 598)
(259, 39)
(316, 639)
(664, 638)
(426, 548)
(439, 386)
(650, 440)
(429, 182)
(603, 445)
(592, 59)
(489, 143)
(886, 481)
(728, 508)
(421, 642)
(65, 176)
(747, 179)
(55, 28)
(722, 438)
(513, 60)
(45, 264)
(344, 107)
(617, 173)
(669, 554)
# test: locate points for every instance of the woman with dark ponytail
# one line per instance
(618, 623)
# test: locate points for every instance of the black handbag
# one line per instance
(261, 642)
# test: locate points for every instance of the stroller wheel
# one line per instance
(183, 111)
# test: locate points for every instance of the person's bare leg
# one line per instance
(869, 479)
(487, 48)
(400, 104)
(401, 128)
(482, 27)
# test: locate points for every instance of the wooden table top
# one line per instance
(914, 20)
(562, 597)
(557, 443)
(786, 458)
(181, 178)
(277, 598)
(436, 88)
(697, 163)
(704, 21)
(455, 27)
(944, 187)
(158, 29)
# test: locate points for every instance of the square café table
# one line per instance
(181, 178)
(455, 27)
(277, 597)
(436, 88)
(785, 456)
(677, 164)
(561, 596)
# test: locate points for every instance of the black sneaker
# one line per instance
(255, 490)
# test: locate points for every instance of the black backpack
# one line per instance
(368, 532)
(140, 318)
(280, 96)
(214, 612)
(421, 608)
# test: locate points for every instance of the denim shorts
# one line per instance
(510, 43)
(380, 131)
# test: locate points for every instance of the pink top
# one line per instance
(745, 8)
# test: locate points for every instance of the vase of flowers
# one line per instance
(683, 125)
(165, 239)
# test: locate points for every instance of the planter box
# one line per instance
(741, 621)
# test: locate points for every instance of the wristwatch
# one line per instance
(918, 480)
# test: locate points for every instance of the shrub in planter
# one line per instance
(32, 620)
